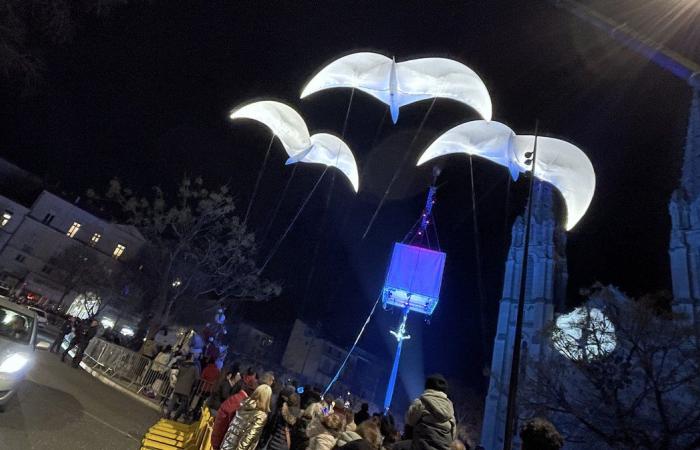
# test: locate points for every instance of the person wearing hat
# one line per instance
(432, 417)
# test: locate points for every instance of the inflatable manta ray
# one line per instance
(558, 162)
(289, 127)
(403, 83)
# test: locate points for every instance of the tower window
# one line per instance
(46, 269)
(95, 239)
(6, 216)
(47, 219)
(118, 251)
(20, 257)
(73, 229)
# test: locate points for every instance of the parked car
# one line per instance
(18, 327)
(41, 316)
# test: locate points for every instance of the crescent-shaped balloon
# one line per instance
(289, 127)
(332, 151)
(490, 140)
(282, 120)
(563, 165)
(559, 163)
(400, 84)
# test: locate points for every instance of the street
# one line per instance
(58, 407)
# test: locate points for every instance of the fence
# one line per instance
(137, 373)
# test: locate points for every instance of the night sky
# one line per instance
(144, 94)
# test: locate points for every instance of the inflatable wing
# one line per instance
(399, 84)
(566, 167)
(331, 151)
(282, 120)
(490, 140)
(420, 79)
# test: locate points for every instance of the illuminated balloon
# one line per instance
(403, 83)
(560, 163)
(289, 127)
(584, 334)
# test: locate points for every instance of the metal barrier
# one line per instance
(138, 373)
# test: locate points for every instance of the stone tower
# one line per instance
(684, 246)
(545, 292)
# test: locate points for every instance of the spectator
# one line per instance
(225, 388)
(432, 417)
(311, 407)
(83, 334)
(278, 429)
(246, 428)
(210, 375)
(227, 411)
(362, 414)
(323, 433)
(369, 437)
(66, 328)
(267, 378)
(186, 376)
(540, 434)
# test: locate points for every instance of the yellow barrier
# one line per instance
(170, 435)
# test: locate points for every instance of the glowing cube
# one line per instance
(414, 278)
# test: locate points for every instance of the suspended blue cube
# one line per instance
(414, 278)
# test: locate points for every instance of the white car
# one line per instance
(41, 317)
(18, 327)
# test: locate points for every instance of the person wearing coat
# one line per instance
(66, 328)
(187, 375)
(323, 432)
(279, 427)
(226, 413)
(432, 417)
(246, 428)
(226, 387)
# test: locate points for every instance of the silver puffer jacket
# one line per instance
(246, 428)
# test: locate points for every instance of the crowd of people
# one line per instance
(253, 412)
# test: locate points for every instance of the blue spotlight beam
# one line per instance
(400, 336)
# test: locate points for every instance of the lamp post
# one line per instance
(511, 408)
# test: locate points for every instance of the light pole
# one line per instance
(511, 408)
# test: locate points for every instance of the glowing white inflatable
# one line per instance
(403, 83)
(584, 333)
(560, 163)
(289, 127)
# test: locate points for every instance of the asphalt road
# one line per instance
(58, 407)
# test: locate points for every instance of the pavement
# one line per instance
(61, 408)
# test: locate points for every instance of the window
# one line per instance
(46, 269)
(6, 216)
(20, 257)
(47, 219)
(73, 229)
(95, 239)
(118, 251)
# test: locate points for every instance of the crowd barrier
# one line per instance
(167, 434)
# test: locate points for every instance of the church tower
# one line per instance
(545, 291)
(684, 246)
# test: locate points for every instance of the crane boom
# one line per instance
(682, 67)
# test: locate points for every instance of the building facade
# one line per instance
(684, 208)
(316, 360)
(32, 238)
(545, 291)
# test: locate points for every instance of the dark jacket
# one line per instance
(223, 391)
(433, 420)
(87, 333)
(280, 434)
(187, 374)
(359, 444)
(66, 327)
(361, 416)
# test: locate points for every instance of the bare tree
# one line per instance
(469, 406)
(640, 392)
(197, 249)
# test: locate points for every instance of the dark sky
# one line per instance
(144, 94)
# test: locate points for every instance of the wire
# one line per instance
(398, 170)
(279, 203)
(357, 339)
(477, 256)
(257, 182)
(296, 216)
